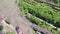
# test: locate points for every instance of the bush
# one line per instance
(1, 27)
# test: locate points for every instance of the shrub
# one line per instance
(1, 27)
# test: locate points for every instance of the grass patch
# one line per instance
(9, 30)
(9, 33)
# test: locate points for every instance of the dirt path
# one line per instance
(9, 9)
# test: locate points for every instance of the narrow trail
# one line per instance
(10, 10)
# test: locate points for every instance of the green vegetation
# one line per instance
(41, 11)
(1, 27)
(9, 33)
(37, 21)
(53, 1)
(9, 30)
(35, 11)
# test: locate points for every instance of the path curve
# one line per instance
(10, 10)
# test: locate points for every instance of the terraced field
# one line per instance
(41, 14)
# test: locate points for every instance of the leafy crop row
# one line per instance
(42, 12)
